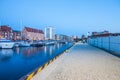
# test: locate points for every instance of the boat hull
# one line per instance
(37, 45)
(24, 45)
(7, 45)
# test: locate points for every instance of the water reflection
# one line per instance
(49, 50)
(17, 50)
(5, 54)
(58, 46)
(23, 60)
(29, 51)
(45, 49)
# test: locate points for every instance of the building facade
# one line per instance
(17, 35)
(6, 32)
(32, 34)
(63, 37)
(49, 33)
(100, 33)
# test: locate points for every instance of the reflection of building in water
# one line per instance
(45, 49)
(5, 54)
(49, 50)
(54, 46)
(58, 46)
(32, 50)
(18, 50)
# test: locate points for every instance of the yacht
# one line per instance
(7, 44)
(24, 44)
(49, 43)
(37, 44)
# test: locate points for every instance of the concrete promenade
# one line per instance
(83, 62)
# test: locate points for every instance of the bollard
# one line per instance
(67, 51)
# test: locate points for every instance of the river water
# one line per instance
(17, 62)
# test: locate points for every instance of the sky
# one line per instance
(69, 17)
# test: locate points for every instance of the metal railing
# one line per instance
(109, 43)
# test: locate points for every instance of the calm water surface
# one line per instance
(17, 62)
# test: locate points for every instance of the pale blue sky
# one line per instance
(71, 17)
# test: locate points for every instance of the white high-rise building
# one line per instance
(49, 33)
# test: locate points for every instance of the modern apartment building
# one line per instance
(17, 35)
(49, 33)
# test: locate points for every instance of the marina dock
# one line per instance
(82, 62)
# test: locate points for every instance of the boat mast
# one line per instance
(0, 24)
(0, 29)
(21, 28)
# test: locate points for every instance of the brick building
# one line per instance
(6, 32)
(17, 35)
(32, 34)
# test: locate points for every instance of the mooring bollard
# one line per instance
(67, 51)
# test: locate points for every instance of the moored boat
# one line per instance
(24, 44)
(49, 43)
(7, 44)
(36, 44)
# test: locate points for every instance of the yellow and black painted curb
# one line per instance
(38, 70)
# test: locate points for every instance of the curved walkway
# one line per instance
(83, 62)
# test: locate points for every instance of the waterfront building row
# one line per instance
(102, 34)
(63, 37)
(26, 34)
(8, 33)
(29, 33)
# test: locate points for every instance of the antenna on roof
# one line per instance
(21, 27)
(0, 24)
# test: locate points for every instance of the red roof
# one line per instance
(5, 28)
(34, 30)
